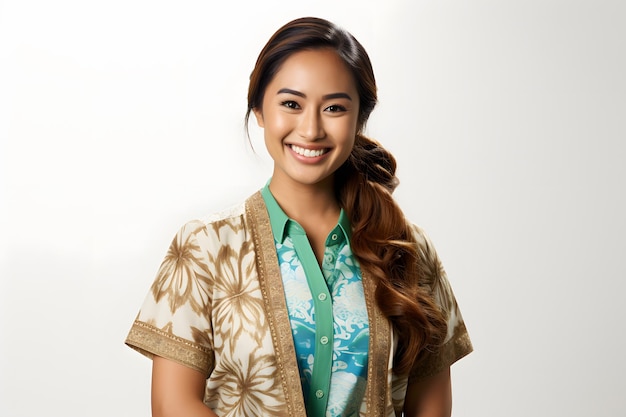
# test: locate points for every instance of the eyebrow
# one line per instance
(326, 97)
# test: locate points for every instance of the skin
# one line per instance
(431, 397)
(177, 390)
(311, 104)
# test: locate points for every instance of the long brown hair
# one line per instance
(382, 239)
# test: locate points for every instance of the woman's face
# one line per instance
(309, 115)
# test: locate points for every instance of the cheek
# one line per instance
(275, 122)
(345, 129)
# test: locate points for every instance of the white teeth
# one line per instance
(309, 153)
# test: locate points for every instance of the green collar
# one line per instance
(279, 220)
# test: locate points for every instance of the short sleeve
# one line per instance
(174, 321)
(457, 343)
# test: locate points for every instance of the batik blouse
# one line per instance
(218, 306)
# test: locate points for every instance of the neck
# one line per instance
(307, 204)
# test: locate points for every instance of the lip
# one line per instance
(308, 159)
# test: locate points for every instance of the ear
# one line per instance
(259, 116)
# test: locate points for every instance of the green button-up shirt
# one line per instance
(327, 312)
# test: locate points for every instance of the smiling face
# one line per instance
(309, 115)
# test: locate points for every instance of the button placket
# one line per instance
(320, 377)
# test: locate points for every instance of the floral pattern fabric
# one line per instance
(350, 323)
(217, 305)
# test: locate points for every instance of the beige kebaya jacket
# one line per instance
(217, 305)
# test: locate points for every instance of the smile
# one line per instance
(308, 153)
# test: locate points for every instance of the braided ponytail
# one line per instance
(384, 243)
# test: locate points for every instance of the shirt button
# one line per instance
(324, 340)
(334, 236)
(319, 393)
(321, 297)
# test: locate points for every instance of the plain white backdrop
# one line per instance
(121, 120)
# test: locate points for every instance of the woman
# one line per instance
(316, 296)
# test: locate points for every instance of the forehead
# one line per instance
(314, 71)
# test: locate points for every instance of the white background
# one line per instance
(121, 120)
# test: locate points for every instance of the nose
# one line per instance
(310, 126)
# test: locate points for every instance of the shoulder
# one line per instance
(419, 234)
(425, 247)
(216, 227)
(429, 265)
(234, 228)
(233, 213)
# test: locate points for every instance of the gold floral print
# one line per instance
(434, 275)
(200, 337)
(183, 276)
(246, 386)
(457, 343)
(235, 227)
(237, 305)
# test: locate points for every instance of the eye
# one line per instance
(290, 104)
(335, 108)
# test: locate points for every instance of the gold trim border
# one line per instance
(150, 341)
(271, 283)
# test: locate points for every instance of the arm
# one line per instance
(177, 391)
(431, 397)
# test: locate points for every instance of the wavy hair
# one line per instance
(382, 238)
